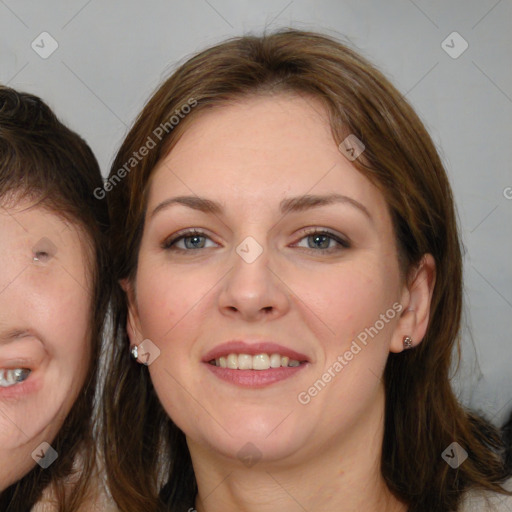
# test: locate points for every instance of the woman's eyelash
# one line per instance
(169, 243)
(342, 243)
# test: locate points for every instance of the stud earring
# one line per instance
(134, 351)
(407, 342)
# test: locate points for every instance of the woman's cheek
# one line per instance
(343, 298)
(166, 292)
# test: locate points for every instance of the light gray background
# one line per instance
(112, 55)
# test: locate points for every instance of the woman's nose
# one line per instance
(251, 289)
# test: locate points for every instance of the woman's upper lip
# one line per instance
(21, 349)
(260, 347)
(16, 334)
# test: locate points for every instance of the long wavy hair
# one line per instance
(43, 161)
(144, 449)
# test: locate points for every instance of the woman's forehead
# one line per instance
(281, 144)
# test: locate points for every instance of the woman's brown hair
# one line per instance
(46, 163)
(423, 416)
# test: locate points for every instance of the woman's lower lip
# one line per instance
(254, 378)
(31, 385)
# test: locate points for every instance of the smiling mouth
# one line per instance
(11, 376)
(262, 361)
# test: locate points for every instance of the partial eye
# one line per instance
(191, 240)
(322, 241)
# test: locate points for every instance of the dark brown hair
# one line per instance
(422, 416)
(43, 161)
(507, 437)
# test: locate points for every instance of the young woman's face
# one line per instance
(267, 253)
(45, 295)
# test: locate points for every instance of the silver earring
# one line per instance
(407, 342)
(134, 351)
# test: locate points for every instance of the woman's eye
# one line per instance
(186, 241)
(323, 241)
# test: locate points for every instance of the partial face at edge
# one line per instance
(45, 315)
(309, 281)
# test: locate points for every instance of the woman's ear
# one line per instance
(416, 299)
(132, 319)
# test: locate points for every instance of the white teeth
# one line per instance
(260, 362)
(275, 361)
(244, 362)
(257, 362)
(232, 361)
(11, 377)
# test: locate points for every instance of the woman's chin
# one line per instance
(255, 440)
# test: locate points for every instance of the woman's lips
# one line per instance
(30, 385)
(254, 364)
(241, 347)
(255, 378)
(20, 355)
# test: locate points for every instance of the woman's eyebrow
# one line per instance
(293, 204)
(301, 203)
(195, 202)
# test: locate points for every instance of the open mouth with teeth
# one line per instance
(257, 362)
(11, 377)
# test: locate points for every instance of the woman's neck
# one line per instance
(343, 476)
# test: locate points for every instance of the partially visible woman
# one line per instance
(54, 292)
(291, 277)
